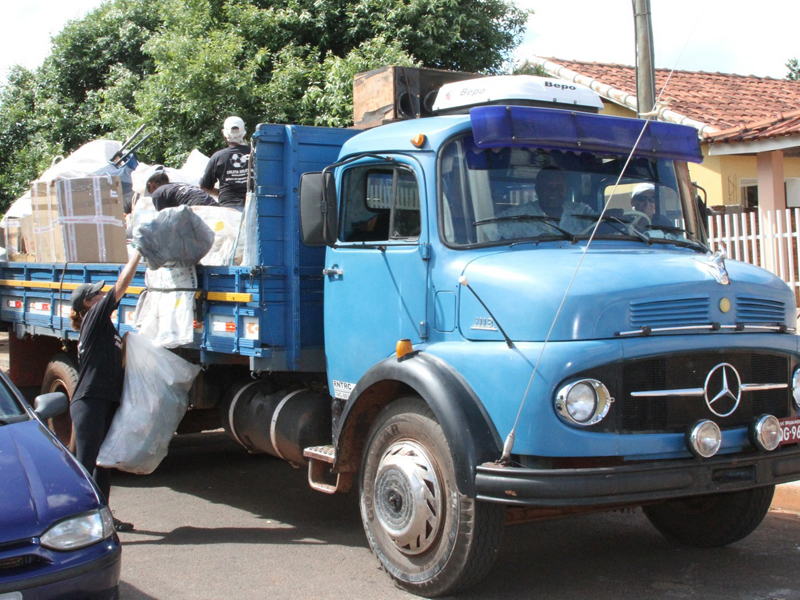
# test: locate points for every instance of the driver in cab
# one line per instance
(552, 205)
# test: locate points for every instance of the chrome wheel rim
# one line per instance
(408, 497)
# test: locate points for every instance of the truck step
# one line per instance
(319, 459)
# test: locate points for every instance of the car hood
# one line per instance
(40, 483)
(616, 290)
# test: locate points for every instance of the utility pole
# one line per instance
(645, 70)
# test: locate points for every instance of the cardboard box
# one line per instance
(19, 239)
(79, 220)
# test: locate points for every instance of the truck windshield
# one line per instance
(507, 195)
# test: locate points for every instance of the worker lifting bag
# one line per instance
(174, 237)
(154, 400)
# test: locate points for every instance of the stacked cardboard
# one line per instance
(78, 220)
(19, 238)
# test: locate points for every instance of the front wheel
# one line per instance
(61, 375)
(714, 520)
(430, 538)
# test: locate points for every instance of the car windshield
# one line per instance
(10, 408)
(509, 195)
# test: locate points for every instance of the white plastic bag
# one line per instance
(154, 400)
(165, 316)
(174, 237)
(224, 222)
(248, 232)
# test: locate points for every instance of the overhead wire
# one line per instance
(508, 445)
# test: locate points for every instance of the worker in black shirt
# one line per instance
(229, 167)
(100, 372)
(166, 194)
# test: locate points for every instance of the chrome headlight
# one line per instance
(796, 388)
(583, 402)
(704, 439)
(79, 532)
(765, 433)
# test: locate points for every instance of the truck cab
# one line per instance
(510, 327)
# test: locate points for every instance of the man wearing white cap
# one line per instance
(229, 167)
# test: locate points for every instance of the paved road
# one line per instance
(214, 522)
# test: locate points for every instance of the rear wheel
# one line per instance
(61, 375)
(714, 520)
(430, 538)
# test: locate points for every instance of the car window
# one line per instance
(9, 405)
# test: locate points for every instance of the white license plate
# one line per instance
(790, 431)
(11, 596)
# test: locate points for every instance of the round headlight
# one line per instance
(766, 433)
(583, 402)
(796, 388)
(704, 439)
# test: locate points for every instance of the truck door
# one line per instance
(376, 276)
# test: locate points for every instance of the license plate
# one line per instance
(11, 596)
(790, 431)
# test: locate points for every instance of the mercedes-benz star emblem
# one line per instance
(723, 389)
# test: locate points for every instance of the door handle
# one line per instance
(338, 272)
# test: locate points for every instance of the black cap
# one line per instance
(83, 292)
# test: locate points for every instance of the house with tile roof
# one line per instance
(749, 127)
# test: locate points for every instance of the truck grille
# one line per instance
(673, 312)
(674, 413)
(759, 310)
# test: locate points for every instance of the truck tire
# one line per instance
(61, 375)
(714, 520)
(431, 539)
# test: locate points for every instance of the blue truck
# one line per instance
(426, 324)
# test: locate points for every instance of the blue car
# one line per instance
(57, 537)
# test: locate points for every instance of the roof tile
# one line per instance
(742, 107)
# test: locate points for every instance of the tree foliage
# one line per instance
(794, 70)
(181, 66)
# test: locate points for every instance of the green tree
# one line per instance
(794, 70)
(181, 66)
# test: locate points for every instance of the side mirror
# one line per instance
(318, 209)
(50, 405)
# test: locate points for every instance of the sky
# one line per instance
(727, 36)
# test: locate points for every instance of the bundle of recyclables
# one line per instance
(174, 237)
(154, 400)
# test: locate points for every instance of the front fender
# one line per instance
(470, 433)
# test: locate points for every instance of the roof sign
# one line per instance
(515, 89)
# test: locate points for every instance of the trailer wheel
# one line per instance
(61, 375)
(714, 520)
(431, 539)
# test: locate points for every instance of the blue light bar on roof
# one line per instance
(527, 126)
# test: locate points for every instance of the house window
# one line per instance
(792, 192)
(748, 192)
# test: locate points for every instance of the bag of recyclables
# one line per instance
(165, 310)
(154, 400)
(224, 222)
(173, 237)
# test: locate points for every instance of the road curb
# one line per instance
(787, 497)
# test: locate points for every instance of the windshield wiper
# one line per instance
(673, 229)
(611, 220)
(541, 218)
